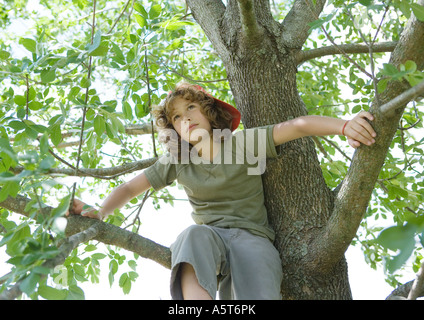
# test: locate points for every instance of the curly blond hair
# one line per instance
(218, 117)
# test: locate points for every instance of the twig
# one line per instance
(149, 93)
(27, 97)
(119, 17)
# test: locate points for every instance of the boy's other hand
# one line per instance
(83, 209)
(359, 130)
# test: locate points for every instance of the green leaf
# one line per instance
(125, 281)
(19, 100)
(126, 108)
(29, 284)
(365, 2)
(55, 134)
(48, 75)
(155, 11)
(418, 10)
(99, 125)
(29, 44)
(405, 8)
(410, 66)
(101, 50)
(119, 56)
(90, 247)
(35, 105)
(382, 84)
(96, 42)
(75, 293)
(47, 163)
(44, 144)
(31, 93)
(98, 256)
(61, 209)
(140, 20)
(73, 92)
(4, 55)
(174, 24)
(50, 293)
(398, 238)
(139, 8)
(389, 69)
(113, 268)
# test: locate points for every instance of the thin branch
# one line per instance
(345, 54)
(149, 93)
(27, 97)
(120, 15)
(352, 48)
(402, 292)
(402, 99)
(99, 173)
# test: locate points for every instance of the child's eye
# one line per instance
(191, 106)
(175, 118)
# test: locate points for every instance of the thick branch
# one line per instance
(295, 25)
(353, 198)
(402, 292)
(418, 285)
(107, 233)
(113, 235)
(139, 129)
(102, 173)
(402, 99)
(209, 14)
(303, 56)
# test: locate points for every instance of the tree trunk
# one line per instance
(297, 197)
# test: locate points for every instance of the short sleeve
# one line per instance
(258, 141)
(162, 173)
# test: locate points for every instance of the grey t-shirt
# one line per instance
(228, 191)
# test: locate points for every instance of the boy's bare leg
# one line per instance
(190, 286)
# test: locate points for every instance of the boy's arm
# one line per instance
(358, 130)
(115, 200)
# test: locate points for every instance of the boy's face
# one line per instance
(189, 121)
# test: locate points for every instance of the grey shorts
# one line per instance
(234, 262)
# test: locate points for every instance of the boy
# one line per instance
(231, 239)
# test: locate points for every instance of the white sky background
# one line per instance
(163, 226)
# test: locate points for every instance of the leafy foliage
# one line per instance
(66, 80)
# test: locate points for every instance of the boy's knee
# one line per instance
(197, 232)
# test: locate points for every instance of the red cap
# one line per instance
(232, 110)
